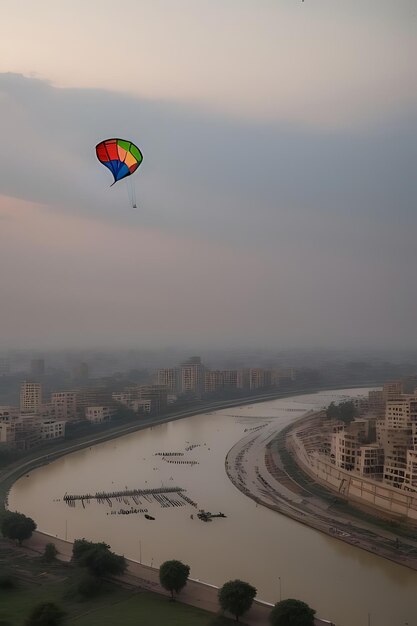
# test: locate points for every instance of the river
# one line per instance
(275, 554)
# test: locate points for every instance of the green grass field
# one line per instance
(37, 582)
(115, 606)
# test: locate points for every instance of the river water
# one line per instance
(275, 554)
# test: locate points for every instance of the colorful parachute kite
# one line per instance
(121, 157)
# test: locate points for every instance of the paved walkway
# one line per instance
(195, 593)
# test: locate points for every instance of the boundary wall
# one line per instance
(383, 498)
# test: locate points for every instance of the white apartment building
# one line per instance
(30, 397)
(65, 404)
(52, 429)
(98, 414)
(8, 413)
(344, 449)
(370, 461)
(143, 407)
(7, 433)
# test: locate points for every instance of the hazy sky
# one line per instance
(277, 197)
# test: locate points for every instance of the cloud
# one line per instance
(202, 173)
(247, 232)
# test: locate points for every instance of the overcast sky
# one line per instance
(277, 196)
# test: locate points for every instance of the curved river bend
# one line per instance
(253, 543)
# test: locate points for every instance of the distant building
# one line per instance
(376, 403)
(7, 433)
(192, 376)
(230, 379)
(393, 390)
(169, 377)
(98, 414)
(52, 429)
(37, 368)
(142, 407)
(30, 397)
(157, 395)
(92, 396)
(8, 413)
(243, 378)
(259, 378)
(65, 404)
(213, 380)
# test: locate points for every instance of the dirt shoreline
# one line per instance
(258, 471)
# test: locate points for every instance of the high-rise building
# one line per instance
(213, 381)
(30, 397)
(37, 368)
(169, 377)
(230, 378)
(192, 376)
(65, 404)
(393, 390)
(259, 378)
(243, 378)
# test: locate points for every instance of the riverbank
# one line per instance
(39, 456)
(256, 465)
(196, 593)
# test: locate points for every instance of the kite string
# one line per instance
(131, 192)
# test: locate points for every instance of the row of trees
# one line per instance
(98, 562)
(236, 597)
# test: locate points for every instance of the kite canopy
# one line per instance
(121, 157)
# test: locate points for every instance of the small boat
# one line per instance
(149, 516)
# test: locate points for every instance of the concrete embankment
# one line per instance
(255, 466)
(380, 498)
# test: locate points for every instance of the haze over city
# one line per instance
(276, 199)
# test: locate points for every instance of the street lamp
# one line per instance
(280, 590)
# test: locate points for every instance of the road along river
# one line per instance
(278, 555)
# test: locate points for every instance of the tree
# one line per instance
(88, 585)
(50, 552)
(17, 526)
(347, 411)
(332, 411)
(173, 576)
(98, 558)
(236, 597)
(292, 613)
(46, 614)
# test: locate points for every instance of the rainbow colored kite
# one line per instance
(121, 157)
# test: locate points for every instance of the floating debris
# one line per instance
(206, 516)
